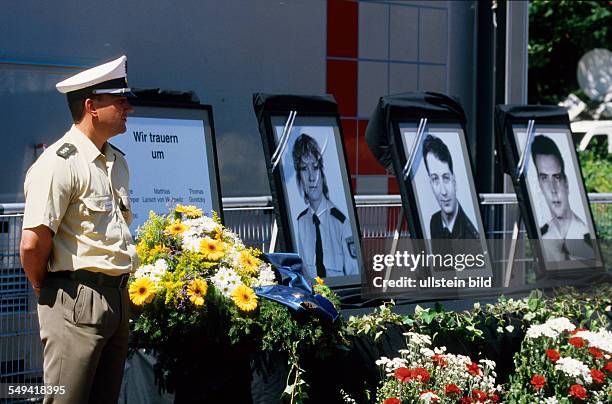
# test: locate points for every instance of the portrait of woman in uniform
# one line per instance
(317, 198)
(325, 241)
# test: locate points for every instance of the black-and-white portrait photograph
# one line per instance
(557, 197)
(318, 199)
(446, 198)
(440, 182)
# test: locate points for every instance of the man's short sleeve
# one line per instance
(48, 191)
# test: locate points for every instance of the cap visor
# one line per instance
(125, 92)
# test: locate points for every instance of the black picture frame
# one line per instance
(419, 199)
(550, 122)
(154, 103)
(317, 116)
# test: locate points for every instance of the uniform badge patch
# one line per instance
(66, 150)
(350, 245)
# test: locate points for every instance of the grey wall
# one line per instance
(222, 50)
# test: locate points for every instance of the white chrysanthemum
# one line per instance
(538, 330)
(158, 270)
(226, 280)
(382, 361)
(601, 339)
(191, 242)
(418, 339)
(266, 276)
(550, 400)
(488, 363)
(560, 324)
(143, 271)
(574, 368)
(426, 352)
(202, 224)
(429, 397)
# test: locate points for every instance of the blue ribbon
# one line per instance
(294, 290)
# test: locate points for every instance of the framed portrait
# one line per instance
(310, 183)
(560, 216)
(547, 178)
(170, 148)
(436, 182)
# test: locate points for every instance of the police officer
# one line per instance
(567, 236)
(76, 248)
(325, 239)
(450, 222)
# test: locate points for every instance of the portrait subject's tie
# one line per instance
(318, 248)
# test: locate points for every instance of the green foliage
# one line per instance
(583, 308)
(560, 32)
(596, 166)
(375, 324)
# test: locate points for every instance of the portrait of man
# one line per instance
(567, 235)
(450, 222)
(324, 237)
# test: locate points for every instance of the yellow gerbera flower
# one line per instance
(142, 291)
(248, 262)
(245, 298)
(176, 228)
(196, 291)
(212, 250)
(190, 211)
(319, 281)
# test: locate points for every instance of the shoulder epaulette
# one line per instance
(337, 214)
(66, 150)
(116, 148)
(303, 213)
(544, 229)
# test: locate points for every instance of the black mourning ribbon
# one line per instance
(318, 248)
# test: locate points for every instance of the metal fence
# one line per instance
(252, 219)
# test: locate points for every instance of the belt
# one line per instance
(91, 278)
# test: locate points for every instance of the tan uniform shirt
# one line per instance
(83, 196)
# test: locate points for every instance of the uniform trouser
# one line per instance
(84, 331)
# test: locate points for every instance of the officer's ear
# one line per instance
(89, 107)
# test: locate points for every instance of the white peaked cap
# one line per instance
(114, 70)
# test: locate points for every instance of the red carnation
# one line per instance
(538, 381)
(473, 368)
(595, 352)
(452, 389)
(479, 395)
(577, 330)
(597, 375)
(608, 367)
(553, 355)
(439, 360)
(392, 400)
(421, 374)
(403, 374)
(494, 397)
(577, 342)
(466, 400)
(578, 391)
